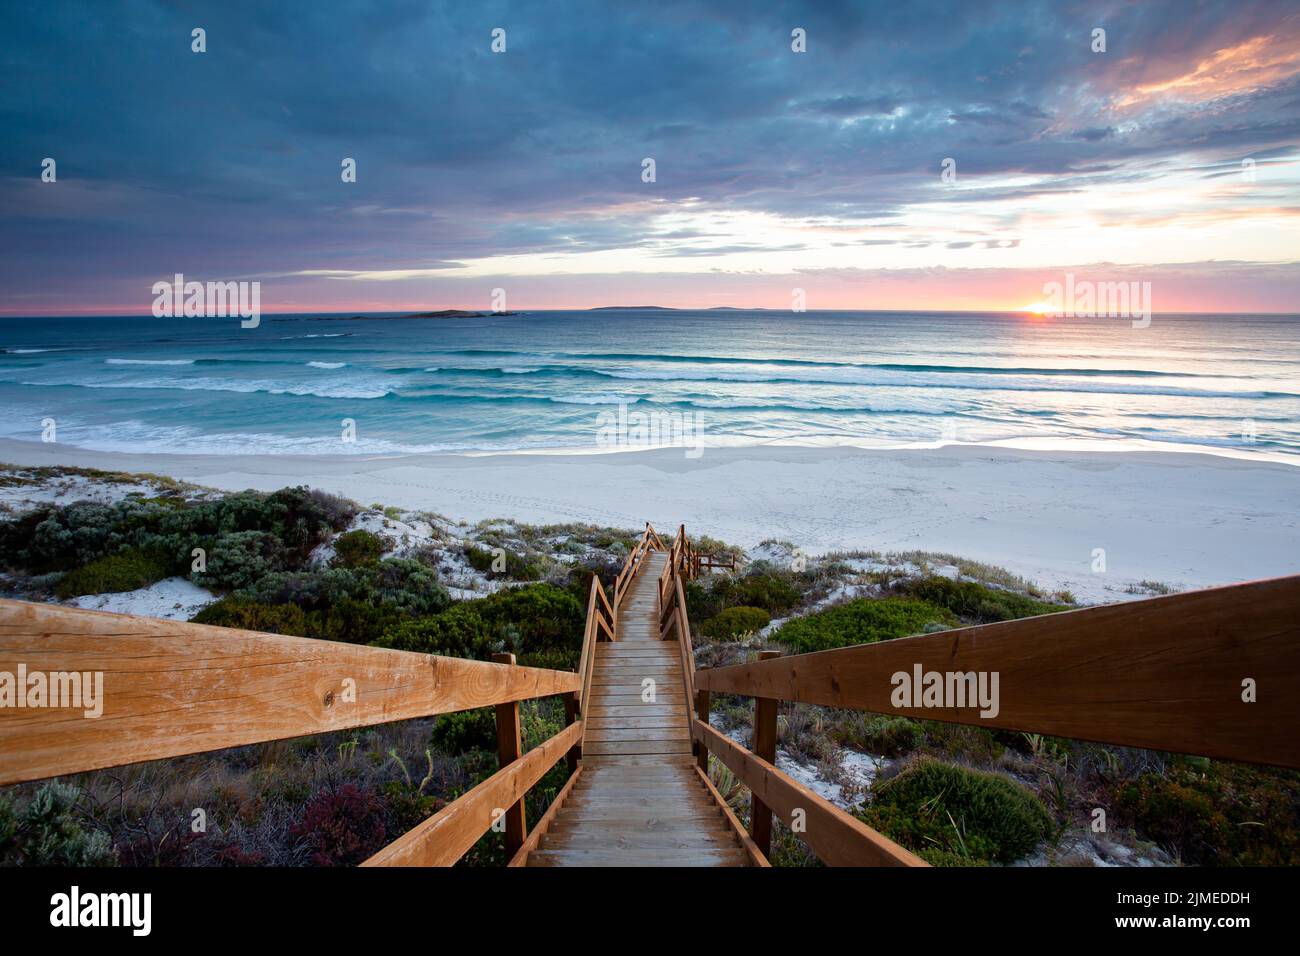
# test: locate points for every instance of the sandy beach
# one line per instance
(1159, 516)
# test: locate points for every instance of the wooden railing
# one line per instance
(170, 688)
(602, 613)
(602, 624)
(1214, 673)
(673, 618)
(649, 541)
(834, 835)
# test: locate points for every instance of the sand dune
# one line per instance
(1187, 520)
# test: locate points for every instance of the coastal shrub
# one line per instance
(342, 827)
(355, 605)
(349, 621)
(459, 631)
(252, 616)
(517, 567)
(863, 621)
(354, 549)
(239, 559)
(530, 621)
(126, 571)
(945, 813)
(300, 517)
(63, 537)
(354, 622)
(59, 538)
(409, 585)
(735, 621)
(977, 602)
(774, 593)
(1214, 813)
(465, 730)
(48, 831)
(883, 734)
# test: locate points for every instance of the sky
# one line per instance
(1171, 157)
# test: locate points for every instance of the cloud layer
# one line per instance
(1176, 145)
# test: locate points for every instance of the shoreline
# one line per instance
(1172, 517)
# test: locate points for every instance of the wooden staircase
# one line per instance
(1166, 674)
(640, 801)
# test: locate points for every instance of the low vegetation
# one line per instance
(303, 563)
(952, 815)
(864, 621)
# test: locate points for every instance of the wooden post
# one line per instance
(571, 715)
(509, 749)
(760, 816)
(702, 712)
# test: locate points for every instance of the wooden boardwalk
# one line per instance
(1161, 674)
(640, 800)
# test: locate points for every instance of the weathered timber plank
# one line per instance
(171, 688)
(1164, 674)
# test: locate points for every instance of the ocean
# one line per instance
(540, 381)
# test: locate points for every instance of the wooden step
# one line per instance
(643, 857)
(608, 747)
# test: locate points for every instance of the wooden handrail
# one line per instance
(684, 640)
(544, 824)
(591, 636)
(604, 600)
(837, 838)
(171, 688)
(1213, 672)
(446, 836)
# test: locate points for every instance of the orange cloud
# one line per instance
(1253, 64)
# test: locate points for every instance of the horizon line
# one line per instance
(613, 308)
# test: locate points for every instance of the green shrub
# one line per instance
(48, 831)
(516, 567)
(884, 734)
(465, 730)
(735, 621)
(772, 593)
(976, 602)
(60, 538)
(117, 572)
(863, 621)
(251, 616)
(354, 622)
(942, 812)
(239, 559)
(459, 631)
(1213, 813)
(355, 549)
(408, 585)
(530, 621)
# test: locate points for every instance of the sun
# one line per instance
(1038, 309)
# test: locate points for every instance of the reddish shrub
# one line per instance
(342, 827)
(233, 855)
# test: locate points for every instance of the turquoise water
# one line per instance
(540, 380)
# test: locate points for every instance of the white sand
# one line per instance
(1187, 520)
(172, 599)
